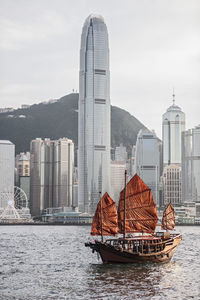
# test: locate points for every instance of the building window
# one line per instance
(100, 101)
(100, 147)
(100, 72)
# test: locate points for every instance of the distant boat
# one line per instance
(136, 219)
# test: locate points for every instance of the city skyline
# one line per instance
(154, 49)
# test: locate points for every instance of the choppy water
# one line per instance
(51, 262)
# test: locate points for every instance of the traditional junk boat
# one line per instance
(136, 219)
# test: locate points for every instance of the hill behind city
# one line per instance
(60, 119)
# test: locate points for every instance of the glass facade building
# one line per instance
(24, 184)
(191, 165)
(148, 161)
(94, 114)
(117, 170)
(173, 124)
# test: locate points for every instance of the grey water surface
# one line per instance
(51, 262)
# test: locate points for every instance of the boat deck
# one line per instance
(153, 238)
(137, 249)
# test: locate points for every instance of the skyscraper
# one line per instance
(172, 184)
(52, 164)
(94, 114)
(63, 172)
(148, 160)
(120, 153)
(191, 165)
(173, 125)
(7, 167)
(117, 170)
(22, 165)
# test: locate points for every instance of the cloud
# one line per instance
(154, 45)
(16, 88)
(15, 35)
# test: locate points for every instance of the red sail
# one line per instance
(168, 219)
(141, 213)
(109, 224)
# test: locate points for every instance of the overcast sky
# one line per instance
(154, 46)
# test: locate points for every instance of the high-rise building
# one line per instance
(120, 153)
(63, 172)
(52, 164)
(24, 184)
(148, 161)
(191, 165)
(37, 174)
(7, 167)
(94, 114)
(131, 164)
(172, 184)
(173, 124)
(22, 164)
(22, 176)
(117, 178)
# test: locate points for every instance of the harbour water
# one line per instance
(51, 262)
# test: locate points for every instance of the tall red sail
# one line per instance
(140, 213)
(168, 219)
(108, 224)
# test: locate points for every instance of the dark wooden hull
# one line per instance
(112, 254)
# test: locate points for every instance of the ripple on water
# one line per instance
(51, 262)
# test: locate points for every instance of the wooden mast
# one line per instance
(124, 234)
(101, 217)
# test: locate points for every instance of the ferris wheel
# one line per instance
(16, 202)
(20, 198)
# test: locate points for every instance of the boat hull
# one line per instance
(113, 254)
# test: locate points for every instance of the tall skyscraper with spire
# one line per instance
(94, 114)
(173, 124)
